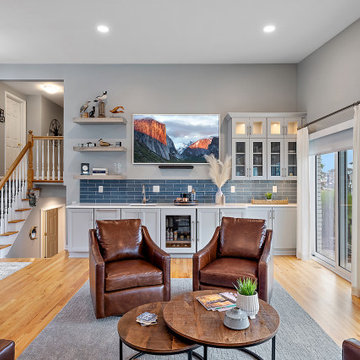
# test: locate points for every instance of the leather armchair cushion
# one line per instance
(351, 349)
(242, 237)
(119, 239)
(224, 272)
(7, 350)
(126, 274)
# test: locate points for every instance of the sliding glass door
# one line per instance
(333, 209)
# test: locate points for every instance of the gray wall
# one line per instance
(329, 78)
(33, 114)
(157, 89)
(3, 88)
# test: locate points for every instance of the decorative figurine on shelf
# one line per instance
(117, 110)
(92, 112)
(103, 143)
(100, 99)
(83, 109)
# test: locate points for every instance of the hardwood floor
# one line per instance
(32, 297)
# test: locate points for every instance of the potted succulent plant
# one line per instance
(247, 298)
(268, 195)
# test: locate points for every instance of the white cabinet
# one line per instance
(106, 214)
(79, 222)
(245, 127)
(207, 221)
(178, 230)
(241, 159)
(236, 213)
(278, 127)
(257, 159)
(284, 230)
(149, 218)
(290, 154)
(263, 213)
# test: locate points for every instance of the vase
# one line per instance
(250, 304)
(219, 197)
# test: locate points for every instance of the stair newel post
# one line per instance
(30, 170)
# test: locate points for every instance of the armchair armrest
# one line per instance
(266, 269)
(204, 257)
(351, 349)
(7, 350)
(157, 257)
(96, 275)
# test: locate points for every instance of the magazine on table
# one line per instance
(218, 302)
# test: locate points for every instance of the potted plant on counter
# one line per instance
(268, 195)
(247, 298)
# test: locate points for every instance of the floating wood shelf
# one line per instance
(100, 121)
(100, 148)
(99, 177)
(270, 202)
(179, 167)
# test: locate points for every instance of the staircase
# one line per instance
(18, 181)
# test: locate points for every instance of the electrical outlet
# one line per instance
(232, 189)
(101, 189)
(274, 189)
(156, 188)
(189, 188)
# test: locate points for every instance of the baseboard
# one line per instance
(78, 254)
(284, 251)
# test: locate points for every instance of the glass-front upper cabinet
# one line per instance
(240, 127)
(240, 150)
(257, 127)
(291, 126)
(275, 159)
(290, 159)
(257, 159)
(281, 127)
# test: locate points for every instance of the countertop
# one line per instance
(170, 205)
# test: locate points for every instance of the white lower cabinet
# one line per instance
(206, 223)
(106, 214)
(236, 213)
(79, 221)
(284, 230)
(149, 218)
(263, 213)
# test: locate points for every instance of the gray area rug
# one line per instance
(76, 334)
(8, 268)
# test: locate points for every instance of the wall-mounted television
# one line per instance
(175, 139)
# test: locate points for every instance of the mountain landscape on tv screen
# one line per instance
(154, 143)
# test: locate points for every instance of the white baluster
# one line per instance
(42, 160)
(6, 207)
(37, 161)
(2, 215)
(48, 160)
(53, 159)
(58, 160)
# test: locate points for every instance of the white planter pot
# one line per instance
(250, 304)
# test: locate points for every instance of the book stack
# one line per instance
(146, 319)
(218, 302)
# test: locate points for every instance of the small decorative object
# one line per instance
(268, 195)
(219, 173)
(146, 319)
(247, 298)
(117, 110)
(32, 198)
(92, 112)
(55, 128)
(2, 116)
(236, 319)
(118, 143)
(85, 169)
(100, 99)
(84, 108)
(103, 143)
(33, 233)
(100, 171)
(117, 168)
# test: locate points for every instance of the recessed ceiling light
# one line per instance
(269, 28)
(50, 88)
(103, 29)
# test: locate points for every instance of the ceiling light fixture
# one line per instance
(103, 29)
(269, 28)
(50, 88)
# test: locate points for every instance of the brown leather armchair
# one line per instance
(127, 268)
(7, 350)
(351, 349)
(239, 248)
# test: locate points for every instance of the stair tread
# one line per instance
(23, 209)
(4, 246)
(9, 233)
(15, 221)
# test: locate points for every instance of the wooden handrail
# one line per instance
(15, 164)
(48, 137)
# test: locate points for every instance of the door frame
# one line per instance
(9, 95)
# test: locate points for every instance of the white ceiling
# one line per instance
(34, 88)
(169, 31)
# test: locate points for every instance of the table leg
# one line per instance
(190, 355)
(205, 352)
(273, 348)
(120, 350)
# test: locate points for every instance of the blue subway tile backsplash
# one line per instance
(129, 191)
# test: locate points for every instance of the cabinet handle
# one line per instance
(193, 230)
(249, 129)
(197, 231)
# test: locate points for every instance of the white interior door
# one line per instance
(15, 127)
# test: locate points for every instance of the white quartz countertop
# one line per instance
(169, 205)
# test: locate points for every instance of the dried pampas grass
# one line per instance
(219, 171)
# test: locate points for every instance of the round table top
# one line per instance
(188, 318)
(156, 339)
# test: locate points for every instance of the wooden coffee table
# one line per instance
(155, 339)
(185, 316)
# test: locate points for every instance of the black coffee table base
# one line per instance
(190, 352)
(245, 350)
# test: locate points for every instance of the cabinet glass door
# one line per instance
(291, 160)
(178, 231)
(257, 158)
(258, 127)
(275, 127)
(240, 127)
(240, 165)
(291, 125)
(275, 159)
